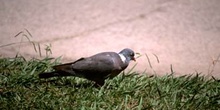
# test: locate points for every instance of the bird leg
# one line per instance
(99, 83)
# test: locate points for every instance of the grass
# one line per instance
(20, 88)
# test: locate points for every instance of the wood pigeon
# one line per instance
(96, 68)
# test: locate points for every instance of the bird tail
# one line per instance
(53, 74)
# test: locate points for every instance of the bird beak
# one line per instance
(133, 59)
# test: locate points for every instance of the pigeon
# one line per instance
(95, 68)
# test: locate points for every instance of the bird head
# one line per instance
(128, 54)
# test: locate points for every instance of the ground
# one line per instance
(181, 33)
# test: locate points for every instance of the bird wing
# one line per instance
(66, 65)
(99, 65)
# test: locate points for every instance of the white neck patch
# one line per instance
(123, 59)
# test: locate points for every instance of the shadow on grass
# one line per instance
(67, 83)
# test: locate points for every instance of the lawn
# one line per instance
(20, 88)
